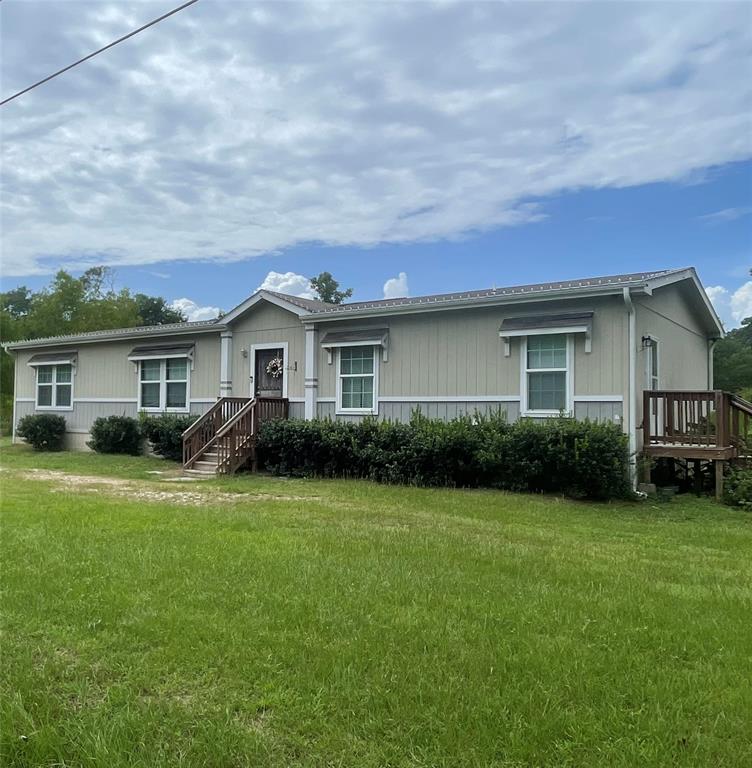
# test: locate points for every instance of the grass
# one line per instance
(255, 621)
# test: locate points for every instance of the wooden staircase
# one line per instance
(223, 440)
(697, 425)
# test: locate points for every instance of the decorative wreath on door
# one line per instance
(275, 367)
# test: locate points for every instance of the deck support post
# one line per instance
(311, 371)
(719, 480)
(225, 365)
(697, 464)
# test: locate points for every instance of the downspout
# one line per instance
(632, 386)
(14, 355)
(711, 370)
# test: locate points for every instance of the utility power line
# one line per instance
(96, 53)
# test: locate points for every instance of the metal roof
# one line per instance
(319, 310)
(125, 333)
(312, 305)
(609, 281)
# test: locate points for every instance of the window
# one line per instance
(163, 385)
(357, 379)
(55, 386)
(546, 373)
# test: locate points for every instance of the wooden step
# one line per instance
(201, 472)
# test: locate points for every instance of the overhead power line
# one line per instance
(96, 53)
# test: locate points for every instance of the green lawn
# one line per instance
(265, 622)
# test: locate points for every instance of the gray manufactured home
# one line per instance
(588, 348)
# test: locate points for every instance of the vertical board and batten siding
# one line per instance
(683, 341)
(669, 316)
(105, 382)
(104, 371)
(266, 323)
(459, 354)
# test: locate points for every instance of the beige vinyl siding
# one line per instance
(683, 342)
(459, 353)
(434, 354)
(104, 371)
(604, 370)
(267, 323)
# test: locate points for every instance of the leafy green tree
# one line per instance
(327, 289)
(733, 360)
(154, 310)
(71, 305)
(17, 302)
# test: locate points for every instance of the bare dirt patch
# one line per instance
(148, 492)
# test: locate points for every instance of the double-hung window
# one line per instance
(55, 386)
(356, 382)
(547, 373)
(163, 384)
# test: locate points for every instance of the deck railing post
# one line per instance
(646, 417)
(720, 418)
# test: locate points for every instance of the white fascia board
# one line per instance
(242, 308)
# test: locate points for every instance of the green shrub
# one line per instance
(116, 434)
(44, 431)
(165, 433)
(737, 488)
(6, 413)
(578, 458)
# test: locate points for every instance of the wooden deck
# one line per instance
(699, 425)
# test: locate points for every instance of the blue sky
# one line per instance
(443, 147)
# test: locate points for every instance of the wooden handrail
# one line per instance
(703, 418)
(740, 403)
(236, 441)
(202, 433)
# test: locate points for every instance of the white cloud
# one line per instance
(727, 214)
(741, 302)
(289, 283)
(717, 294)
(396, 287)
(732, 306)
(230, 135)
(193, 311)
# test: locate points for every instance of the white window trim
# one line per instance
(649, 362)
(162, 381)
(524, 370)
(339, 410)
(283, 345)
(53, 384)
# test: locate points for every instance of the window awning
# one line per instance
(159, 353)
(370, 337)
(67, 357)
(536, 325)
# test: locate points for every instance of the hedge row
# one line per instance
(123, 434)
(112, 434)
(578, 458)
